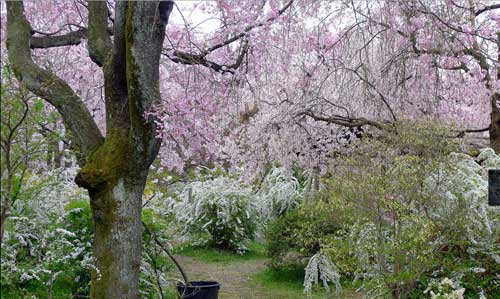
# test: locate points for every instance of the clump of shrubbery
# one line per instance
(402, 212)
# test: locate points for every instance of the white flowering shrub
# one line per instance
(444, 289)
(452, 226)
(49, 252)
(219, 212)
(464, 189)
(278, 194)
(321, 268)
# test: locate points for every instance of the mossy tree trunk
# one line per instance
(114, 167)
(117, 238)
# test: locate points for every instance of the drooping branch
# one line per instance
(372, 86)
(45, 84)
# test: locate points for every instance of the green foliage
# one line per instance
(298, 233)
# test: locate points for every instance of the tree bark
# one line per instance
(117, 239)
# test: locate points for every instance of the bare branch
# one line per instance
(487, 8)
(199, 59)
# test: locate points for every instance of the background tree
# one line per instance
(21, 143)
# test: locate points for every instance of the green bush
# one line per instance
(298, 234)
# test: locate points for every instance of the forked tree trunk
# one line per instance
(115, 166)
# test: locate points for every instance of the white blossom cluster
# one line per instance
(40, 240)
(465, 191)
(217, 210)
(445, 289)
(278, 194)
(321, 268)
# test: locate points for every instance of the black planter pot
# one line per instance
(199, 290)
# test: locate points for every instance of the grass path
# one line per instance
(247, 277)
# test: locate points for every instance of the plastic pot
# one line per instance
(199, 290)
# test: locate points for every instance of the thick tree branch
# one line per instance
(345, 121)
(51, 41)
(99, 41)
(72, 38)
(461, 133)
(45, 84)
(115, 83)
(143, 50)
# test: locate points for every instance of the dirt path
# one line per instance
(236, 279)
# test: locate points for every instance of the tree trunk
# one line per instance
(117, 239)
(115, 181)
(114, 167)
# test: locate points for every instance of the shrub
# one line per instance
(218, 212)
(414, 211)
(47, 250)
(278, 193)
(298, 234)
(50, 256)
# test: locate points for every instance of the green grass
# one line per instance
(288, 283)
(212, 255)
